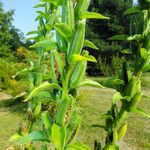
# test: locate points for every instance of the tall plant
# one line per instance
(128, 83)
(61, 34)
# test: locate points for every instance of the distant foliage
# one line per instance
(100, 32)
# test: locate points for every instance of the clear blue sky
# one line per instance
(24, 18)
(24, 13)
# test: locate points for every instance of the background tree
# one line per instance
(100, 32)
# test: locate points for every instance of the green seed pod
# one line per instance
(122, 131)
(78, 73)
(134, 101)
(62, 110)
(81, 6)
(78, 39)
(73, 126)
(37, 109)
(115, 137)
(47, 121)
(68, 13)
(132, 87)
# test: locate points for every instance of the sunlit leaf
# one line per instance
(91, 15)
(78, 57)
(132, 10)
(121, 37)
(33, 137)
(58, 136)
(47, 44)
(89, 44)
(42, 87)
(64, 30)
(91, 83)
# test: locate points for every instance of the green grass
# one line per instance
(93, 102)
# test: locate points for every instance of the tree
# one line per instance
(99, 32)
(5, 35)
(11, 38)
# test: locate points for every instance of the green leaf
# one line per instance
(39, 5)
(37, 110)
(122, 131)
(136, 37)
(126, 51)
(121, 37)
(42, 14)
(33, 137)
(78, 57)
(32, 32)
(132, 10)
(55, 2)
(64, 30)
(15, 137)
(90, 44)
(47, 44)
(91, 15)
(77, 146)
(88, 82)
(47, 121)
(58, 136)
(107, 116)
(140, 111)
(44, 86)
(144, 53)
(117, 96)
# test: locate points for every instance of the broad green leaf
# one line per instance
(32, 38)
(33, 137)
(39, 5)
(140, 111)
(64, 30)
(144, 53)
(77, 146)
(132, 10)
(47, 121)
(91, 15)
(44, 86)
(47, 44)
(121, 37)
(42, 14)
(15, 137)
(89, 44)
(88, 82)
(58, 136)
(136, 37)
(77, 58)
(117, 96)
(43, 94)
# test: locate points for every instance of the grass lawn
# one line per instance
(93, 102)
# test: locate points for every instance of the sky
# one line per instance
(24, 18)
